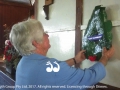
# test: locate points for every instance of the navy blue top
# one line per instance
(34, 73)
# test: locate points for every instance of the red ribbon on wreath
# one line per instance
(92, 58)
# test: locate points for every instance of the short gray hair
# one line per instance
(23, 33)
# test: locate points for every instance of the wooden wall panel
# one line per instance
(78, 32)
(9, 15)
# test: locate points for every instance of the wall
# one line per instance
(113, 12)
(61, 28)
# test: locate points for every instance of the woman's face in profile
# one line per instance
(46, 41)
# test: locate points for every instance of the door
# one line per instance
(10, 14)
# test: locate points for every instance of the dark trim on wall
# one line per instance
(36, 9)
(78, 32)
(15, 4)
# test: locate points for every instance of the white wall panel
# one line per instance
(60, 27)
(62, 15)
(62, 45)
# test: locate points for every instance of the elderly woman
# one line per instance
(39, 72)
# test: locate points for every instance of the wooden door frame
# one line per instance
(36, 9)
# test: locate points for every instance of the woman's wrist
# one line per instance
(104, 60)
(74, 61)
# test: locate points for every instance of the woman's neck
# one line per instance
(41, 52)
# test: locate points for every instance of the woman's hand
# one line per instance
(80, 56)
(106, 55)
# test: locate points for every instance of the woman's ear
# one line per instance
(34, 43)
(37, 44)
